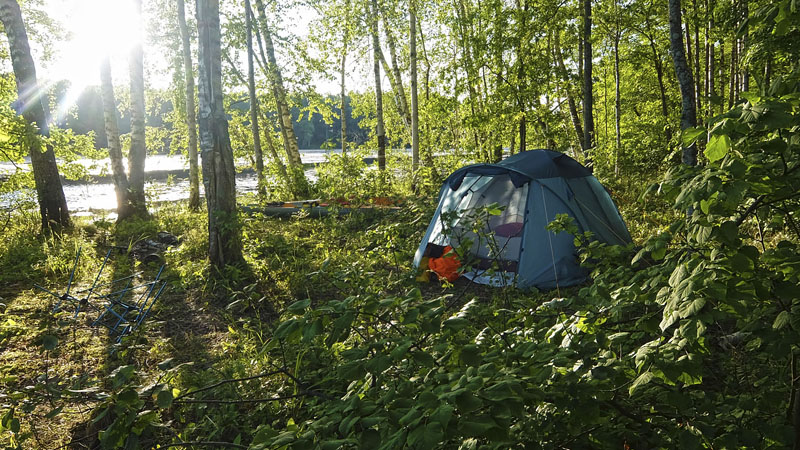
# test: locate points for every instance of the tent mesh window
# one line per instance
(493, 241)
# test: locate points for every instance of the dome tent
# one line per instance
(514, 245)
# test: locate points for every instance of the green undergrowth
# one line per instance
(686, 338)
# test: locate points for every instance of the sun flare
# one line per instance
(97, 29)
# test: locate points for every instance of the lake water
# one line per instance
(84, 197)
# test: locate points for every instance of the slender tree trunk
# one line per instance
(138, 152)
(522, 85)
(767, 74)
(33, 108)
(395, 77)
(710, 58)
(721, 74)
(269, 130)
(376, 46)
(659, 66)
(745, 45)
(688, 112)
(737, 87)
(712, 89)
(463, 41)
(513, 145)
(251, 89)
(399, 93)
(191, 114)
(573, 110)
(427, 154)
(343, 103)
(698, 83)
(124, 209)
(617, 102)
(276, 79)
(732, 87)
(497, 48)
(412, 39)
(588, 97)
(224, 239)
(343, 73)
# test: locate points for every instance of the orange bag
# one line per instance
(447, 266)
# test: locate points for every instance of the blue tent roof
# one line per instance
(524, 167)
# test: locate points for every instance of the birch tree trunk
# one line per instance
(191, 121)
(379, 131)
(273, 153)
(224, 240)
(617, 101)
(343, 73)
(343, 104)
(138, 152)
(745, 44)
(276, 79)
(412, 39)
(573, 109)
(33, 108)
(427, 154)
(588, 95)
(251, 89)
(684, 75)
(395, 77)
(124, 209)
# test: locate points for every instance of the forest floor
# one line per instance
(56, 369)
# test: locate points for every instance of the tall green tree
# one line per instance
(589, 140)
(251, 89)
(191, 121)
(219, 176)
(138, 150)
(279, 91)
(32, 105)
(684, 74)
(121, 186)
(376, 70)
(412, 39)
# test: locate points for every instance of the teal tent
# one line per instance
(514, 247)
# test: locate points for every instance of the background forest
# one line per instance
(308, 332)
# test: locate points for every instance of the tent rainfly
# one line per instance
(514, 247)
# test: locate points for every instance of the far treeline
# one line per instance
(87, 116)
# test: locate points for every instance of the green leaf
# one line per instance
(476, 428)
(379, 364)
(467, 402)
(470, 355)
(691, 308)
(164, 399)
(690, 135)
(781, 321)
(54, 412)
(442, 415)
(704, 206)
(640, 381)
(298, 307)
(49, 342)
(717, 147)
(166, 364)
(122, 374)
(455, 323)
(410, 418)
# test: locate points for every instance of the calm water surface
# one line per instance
(85, 197)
